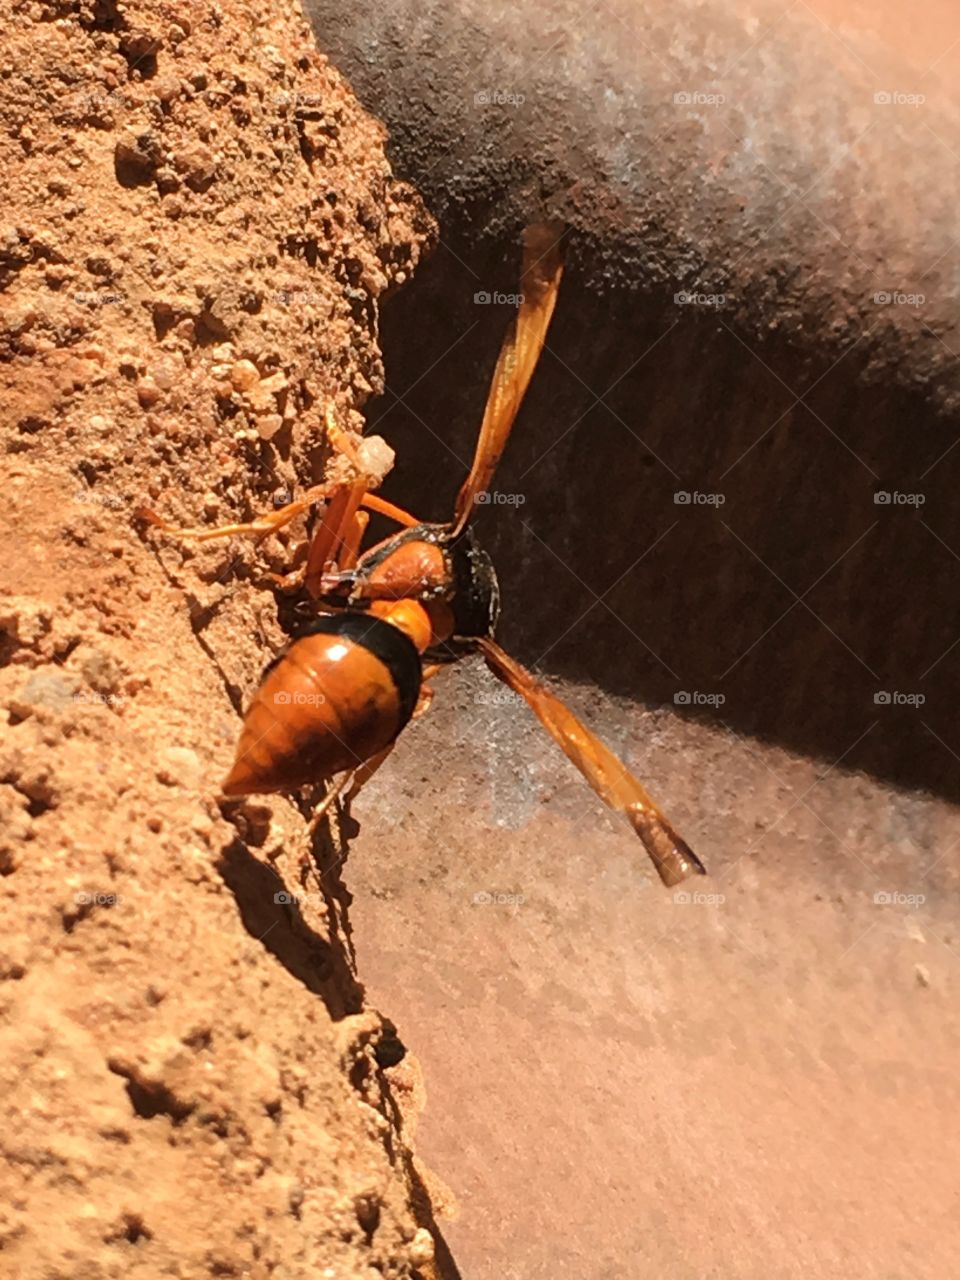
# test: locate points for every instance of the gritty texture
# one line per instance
(750, 1076)
(198, 225)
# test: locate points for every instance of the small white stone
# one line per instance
(376, 457)
(180, 767)
(421, 1248)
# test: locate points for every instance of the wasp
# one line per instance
(386, 620)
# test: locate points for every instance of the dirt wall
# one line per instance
(198, 227)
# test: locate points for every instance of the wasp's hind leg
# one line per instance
(349, 784)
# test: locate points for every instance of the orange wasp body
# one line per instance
(340, 693)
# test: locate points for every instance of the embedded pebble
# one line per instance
(180, 767)
(421, 1248)
(244, 375)
(148, 393)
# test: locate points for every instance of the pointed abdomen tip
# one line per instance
(239, 781)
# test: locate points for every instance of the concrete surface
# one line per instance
(799, 158)
(798, 401)
(758, 1083)
(783, 587)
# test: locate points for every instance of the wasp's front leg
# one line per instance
(352, 781)
(261, 526)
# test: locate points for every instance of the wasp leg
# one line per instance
(261, 526)
(291, 582)
(347, 557)
(338, 439)
(272, 521)
(361, 775)
(351, 542)
(333, 543)
(332, 539)
(353, 780)
(390, 510)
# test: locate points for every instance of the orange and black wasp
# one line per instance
(386, 619)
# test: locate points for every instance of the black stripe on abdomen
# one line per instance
(395, 650)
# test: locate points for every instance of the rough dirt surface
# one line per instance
(199, 222)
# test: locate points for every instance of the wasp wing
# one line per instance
(542, 269)
(606, 773)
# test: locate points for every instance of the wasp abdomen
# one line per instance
(340, 693)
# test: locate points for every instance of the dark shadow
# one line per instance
(423, 1211)
(818, 613)
(271, 916)
(444, 1261)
